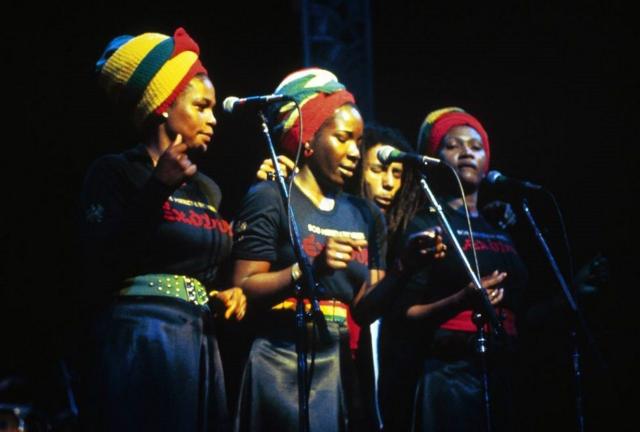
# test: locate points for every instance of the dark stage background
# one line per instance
(552, 84)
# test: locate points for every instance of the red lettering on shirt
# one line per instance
(195, 219)
(493, 245)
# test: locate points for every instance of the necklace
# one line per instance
(324, 203)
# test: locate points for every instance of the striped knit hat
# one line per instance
(319, 94)
(437, 123)
(146, 73)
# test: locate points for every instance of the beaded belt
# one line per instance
(333, 310)
(166, 285)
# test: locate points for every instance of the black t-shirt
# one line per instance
(131, 224)
(446, 276)
(261, 233)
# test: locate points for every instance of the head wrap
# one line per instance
(146, 73)
(438, 123)
(318, 93)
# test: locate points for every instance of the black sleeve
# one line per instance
(413, 290)
(378, 238)
(257, 228)
(117, 218)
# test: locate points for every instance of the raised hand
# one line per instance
(174, 166)
(267, 171)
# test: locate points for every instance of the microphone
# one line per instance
(496, 178)
(232, 103)
(387, 154)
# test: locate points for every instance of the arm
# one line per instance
(258, 281)
(372, 301)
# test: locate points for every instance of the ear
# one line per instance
(308, 151)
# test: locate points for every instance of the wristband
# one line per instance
(295, 272)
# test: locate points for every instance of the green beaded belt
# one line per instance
(166, 285)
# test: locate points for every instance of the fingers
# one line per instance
(231, 307)
(493, 279)
(495, 295)
(340, 250)
(286, 164)
(234, 301)
(441, 251)
(174, 165)
(423, 246)
(346, 242)
(267, 170)
(176, 141)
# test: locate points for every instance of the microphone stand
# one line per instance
(576, 317)
(305, 289)
(487, 314)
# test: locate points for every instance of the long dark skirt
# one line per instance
(449, 395)
(153, 365)
(269, 394)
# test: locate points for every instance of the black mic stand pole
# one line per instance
(304, 289)
(487, 314)
(576, 317)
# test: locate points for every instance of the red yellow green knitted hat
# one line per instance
(146, 73)
(319, 94)
(437, 123)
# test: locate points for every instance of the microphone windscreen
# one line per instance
(384, 153)
(229, 103)
(493, 177)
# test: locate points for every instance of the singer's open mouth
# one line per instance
(386, 201)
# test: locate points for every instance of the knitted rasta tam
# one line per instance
(145, 74)
(319, 94)
(439, 122)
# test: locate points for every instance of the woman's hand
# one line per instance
(174, 166)
(339, 251)
(491, 284)
(421, 248)
(267, 171)
(233, 300)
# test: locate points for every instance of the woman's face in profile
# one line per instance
(463, 150)
(336, 146)
(381, 182)
(191, 115)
